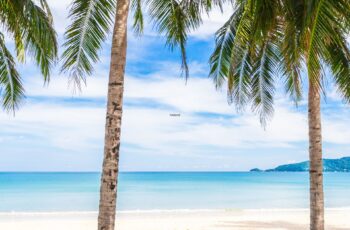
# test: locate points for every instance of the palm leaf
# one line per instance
(220, 60)
(11, 88)
(138, 25)
(91, 21)
(320, 26)
(30, 26)
(231, 59)
(291, 48)
(39, 37)
(325, 23)
(263, 81)
(9, 20)
(239, 81)
(338, 58)
(46, 8)
(176, 19)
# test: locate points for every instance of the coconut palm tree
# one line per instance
(294, 35)
(27, 25)
(91, 22)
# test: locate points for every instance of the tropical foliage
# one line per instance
(28, 25)
(92, 21)
(265, 40)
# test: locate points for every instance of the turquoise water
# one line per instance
(163, 190)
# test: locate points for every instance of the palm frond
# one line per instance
(246, 55)
(46, 8)
(138, 24)
(11, 89)
(338, 58)
(176, 19)
(31, 27)
(326, 20)
(91, 21)
(231, 60)
(265, 52)
(220, 60)
(291, 56)
(263, 81)
(39, 36)
(319, 25)
(239, 79)
(29, 23)
(9, 20)
(265, 17)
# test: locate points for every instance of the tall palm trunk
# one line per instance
(108, 191)
(316, 165)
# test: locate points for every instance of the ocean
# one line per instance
(51, 192)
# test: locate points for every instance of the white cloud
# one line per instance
(336, 128)
(64, 127)
(151, 126)
(198, 95)
(213, 21)
(60, 13)
(152, 132)
(59, 87)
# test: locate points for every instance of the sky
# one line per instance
(59, 130)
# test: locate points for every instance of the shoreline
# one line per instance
(189, 210)
(180, 219)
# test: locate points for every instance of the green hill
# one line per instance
(329, 165)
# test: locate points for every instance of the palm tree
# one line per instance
(29, 25)
(91, 21)
(250, 53)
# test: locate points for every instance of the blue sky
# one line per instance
(56, 130)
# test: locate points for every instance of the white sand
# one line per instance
(336, 219)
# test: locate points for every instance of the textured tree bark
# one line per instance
(316, 164)
(109, 179)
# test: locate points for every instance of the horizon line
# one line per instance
(127, 171)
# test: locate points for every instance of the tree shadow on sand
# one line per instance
(278, 225)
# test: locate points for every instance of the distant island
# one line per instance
(329, 165)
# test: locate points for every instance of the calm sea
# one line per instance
(42, 192)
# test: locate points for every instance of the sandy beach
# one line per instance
(337, 219)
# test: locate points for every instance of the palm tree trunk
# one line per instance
(109, 179)
(316, 165)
